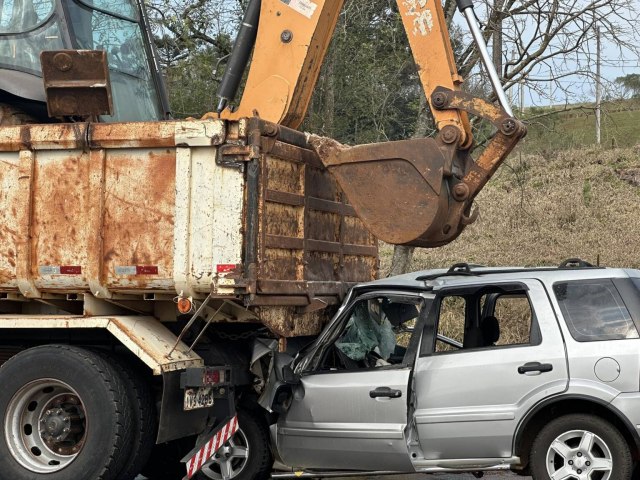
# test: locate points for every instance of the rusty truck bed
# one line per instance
(242, 209)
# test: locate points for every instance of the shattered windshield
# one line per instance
(367, 330)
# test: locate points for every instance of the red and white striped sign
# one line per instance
(207, 451)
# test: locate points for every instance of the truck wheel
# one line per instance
(65, 414)
(144, 415)
(580, 446)
(246, 456)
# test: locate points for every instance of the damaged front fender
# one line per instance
(274, 375)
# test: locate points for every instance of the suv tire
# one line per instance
(580, 443)
(252, 437)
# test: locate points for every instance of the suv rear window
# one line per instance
(594, 310)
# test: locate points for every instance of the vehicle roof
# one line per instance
(427, 279)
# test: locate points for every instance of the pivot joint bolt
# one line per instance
(286, 36)
(270, 130)
(450, 134)
(439, 99)
(461, 192)
(509, 127)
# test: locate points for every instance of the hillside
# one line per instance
(539, 210)
(576, 126)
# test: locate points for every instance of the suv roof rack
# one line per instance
(576, 263)
(466, 269)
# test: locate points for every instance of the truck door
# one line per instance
(494, 351)
(350, 409)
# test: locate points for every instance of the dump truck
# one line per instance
(145, 262)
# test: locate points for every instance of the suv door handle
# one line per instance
(535, 367)
(381, 392)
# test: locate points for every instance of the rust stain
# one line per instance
(61, 204)
(139, 211)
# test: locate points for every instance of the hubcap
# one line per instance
(579, 455)
(45, 426)
(230, 460)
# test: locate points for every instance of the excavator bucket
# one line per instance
(400, 190)
(420, 192)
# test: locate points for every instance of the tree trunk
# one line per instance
(497, 36)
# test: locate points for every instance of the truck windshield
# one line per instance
(28, 27)
(113, 26)
(17, 16)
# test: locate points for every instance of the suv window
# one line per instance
(594, 310)
(451, 324)
(488, 319)
(515, 318)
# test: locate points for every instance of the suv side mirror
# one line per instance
(289, 377)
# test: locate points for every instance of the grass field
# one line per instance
(542, 208)
(576, 127)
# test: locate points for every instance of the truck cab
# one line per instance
(28, 27)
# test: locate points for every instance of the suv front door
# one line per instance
(471, 395)
(350, 409)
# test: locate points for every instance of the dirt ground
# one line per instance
(448, 476)
(435, 476)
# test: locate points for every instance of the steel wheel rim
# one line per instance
(579, 455)
(230, 460)
(45, 426)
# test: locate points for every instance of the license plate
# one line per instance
(195, 398)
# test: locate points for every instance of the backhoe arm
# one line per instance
(292, 40)
(417, 192)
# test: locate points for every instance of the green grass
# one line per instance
(576, 127)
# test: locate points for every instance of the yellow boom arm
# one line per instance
(293, 38)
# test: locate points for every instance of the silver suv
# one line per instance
(471, 369)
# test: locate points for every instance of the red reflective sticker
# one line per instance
(70, 270)
(211, 377)
(146, 270)
(225, 268)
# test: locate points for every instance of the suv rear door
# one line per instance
(472, 392)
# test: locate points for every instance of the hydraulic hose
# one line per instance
(245, 41)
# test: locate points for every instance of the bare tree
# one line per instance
(183, 27)
(553, 40)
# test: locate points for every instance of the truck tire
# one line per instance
(246, 456)
(580, 446)
(65, 413)
(144, 415)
